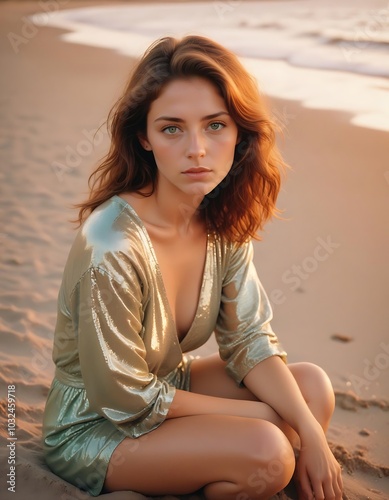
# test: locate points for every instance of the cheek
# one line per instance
(163, 150)
(226, 148)
(229, 140)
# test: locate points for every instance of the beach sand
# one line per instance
(324, 266)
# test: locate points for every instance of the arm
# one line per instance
(281, 392)
(243, 331)
(255, 358)
(189, 403)
(107, 313)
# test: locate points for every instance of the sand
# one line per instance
(324, 266)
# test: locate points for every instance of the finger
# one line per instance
(319, 492)
(304, 486)
(329, 491)
(300, 493)
(340, 485)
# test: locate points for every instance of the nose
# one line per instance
(196, 145)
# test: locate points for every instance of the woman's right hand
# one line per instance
(318, 474)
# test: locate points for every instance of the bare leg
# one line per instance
(317, 390)
(233, 457)
(230, 457)
(208, 376)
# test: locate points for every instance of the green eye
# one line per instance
(170, 130)
(216, 126)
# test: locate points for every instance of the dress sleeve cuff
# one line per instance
(244, 360)
(157, 414)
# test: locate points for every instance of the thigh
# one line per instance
(208, 376)
(185, 454)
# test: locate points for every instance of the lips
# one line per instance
(196, 170)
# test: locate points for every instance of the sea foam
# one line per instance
(326, 55)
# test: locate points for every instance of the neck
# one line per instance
(178, 213)
(170, 210)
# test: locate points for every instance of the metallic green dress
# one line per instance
(118, 358)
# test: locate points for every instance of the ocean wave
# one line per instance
(339, 38)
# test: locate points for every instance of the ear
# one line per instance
(144, 142)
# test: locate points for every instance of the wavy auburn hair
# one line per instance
(241, 204)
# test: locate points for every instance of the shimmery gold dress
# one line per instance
(118, 358)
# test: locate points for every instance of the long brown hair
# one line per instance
(241, 204)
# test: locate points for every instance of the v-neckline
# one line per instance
(160, 277)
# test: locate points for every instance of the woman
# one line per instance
(164, 259)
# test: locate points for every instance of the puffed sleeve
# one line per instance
(118, 384)
(243, 330)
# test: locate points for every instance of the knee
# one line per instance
(315, 384)
(323, 382)
(272, 462)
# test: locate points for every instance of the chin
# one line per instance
(199, 191)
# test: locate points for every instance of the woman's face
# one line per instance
(192, 137)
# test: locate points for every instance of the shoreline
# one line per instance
(57, 95)
(344, 67)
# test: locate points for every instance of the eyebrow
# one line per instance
(180, 120)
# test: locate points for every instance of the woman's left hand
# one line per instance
(318, 474)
